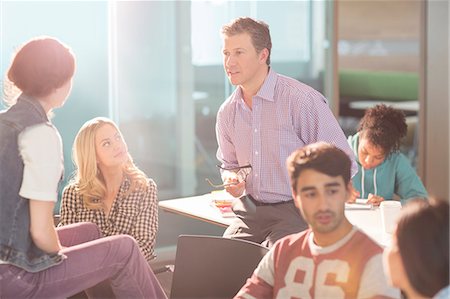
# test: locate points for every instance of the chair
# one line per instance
(213, 267)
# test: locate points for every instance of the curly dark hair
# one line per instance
(384, 127)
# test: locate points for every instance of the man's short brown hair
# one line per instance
(258, 31)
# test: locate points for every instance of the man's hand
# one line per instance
(234, 187)
(374, 199)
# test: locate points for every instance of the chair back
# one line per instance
(213, 267)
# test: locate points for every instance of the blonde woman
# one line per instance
(108, 189)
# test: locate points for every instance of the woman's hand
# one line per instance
(374, 199)
(354, 194)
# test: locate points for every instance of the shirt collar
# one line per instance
(327, 249)
(266, 91)
(125, 184)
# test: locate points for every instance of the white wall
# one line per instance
(435, 128)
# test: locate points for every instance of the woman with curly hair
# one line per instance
(108, 189)
(383, 171)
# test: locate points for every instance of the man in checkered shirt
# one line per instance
(266, 118)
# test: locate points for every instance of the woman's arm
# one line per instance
(42, 229)
(408, 183)
(146, 226)
(41, 150)
(68, 209)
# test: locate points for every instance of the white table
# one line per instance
(369, 221)
(197, 207)
(200, 208)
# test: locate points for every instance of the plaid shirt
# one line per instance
(135, 215)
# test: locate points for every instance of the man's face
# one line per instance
(321, 200)
(241, 60)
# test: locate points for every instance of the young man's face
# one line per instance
(321, 200)
(241, 61)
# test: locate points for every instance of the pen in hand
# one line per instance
(220, 185)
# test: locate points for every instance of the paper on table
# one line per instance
(359, 204)
(223, 201)
(226, 211)
(221, 195)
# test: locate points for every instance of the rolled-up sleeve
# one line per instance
(41, 150)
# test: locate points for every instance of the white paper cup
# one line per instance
(390, 211)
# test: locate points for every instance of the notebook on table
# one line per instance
(359, 204)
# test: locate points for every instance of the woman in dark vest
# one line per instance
(37, 260)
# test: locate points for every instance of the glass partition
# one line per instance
(170, 79)
(155, 67)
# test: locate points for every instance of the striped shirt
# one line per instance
(135, 215)
(295, 267)
(286, 115)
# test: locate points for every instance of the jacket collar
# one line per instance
(34, 104)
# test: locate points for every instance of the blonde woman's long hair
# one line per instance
(88, 176)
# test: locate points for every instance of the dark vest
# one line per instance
(16, 245)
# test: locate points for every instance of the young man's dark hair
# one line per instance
(321, 156)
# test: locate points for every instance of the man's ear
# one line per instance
(294, 197)
(263, 55)
(350, 185)
(349, 189)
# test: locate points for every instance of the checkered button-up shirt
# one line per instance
(286, 115)
(135, 215)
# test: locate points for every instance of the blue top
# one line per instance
(394, 176)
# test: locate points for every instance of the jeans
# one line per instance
(90, 260)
